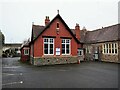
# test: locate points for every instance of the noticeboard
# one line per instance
(57, 51)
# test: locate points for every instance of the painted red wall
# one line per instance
(24, 57)
(38, 47)
(51, 31)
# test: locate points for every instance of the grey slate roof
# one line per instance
(110, 33)
(36, 33)
(36, 30)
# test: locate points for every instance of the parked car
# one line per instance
(11, 53)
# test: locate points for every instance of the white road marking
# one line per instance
(63, 70)
(9, 74)
(12, 67)
(13, 83)
(21, 74)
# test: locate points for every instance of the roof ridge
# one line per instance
(105, 27)
(39, 25)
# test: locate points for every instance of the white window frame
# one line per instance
(80, 50)
(25, 51)
(48, 45)
(113, 48)
(110, 48)
(65, 46)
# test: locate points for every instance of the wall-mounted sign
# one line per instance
(57, 51)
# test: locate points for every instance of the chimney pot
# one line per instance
(77, 31)
(47, 20)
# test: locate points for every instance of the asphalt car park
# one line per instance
(84, 75)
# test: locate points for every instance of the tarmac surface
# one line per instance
(84, 75)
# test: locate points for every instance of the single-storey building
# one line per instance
(25, 51)
(102, 44)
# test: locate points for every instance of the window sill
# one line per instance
(26, 54)
(109, 54)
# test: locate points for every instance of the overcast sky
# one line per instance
(16, 16)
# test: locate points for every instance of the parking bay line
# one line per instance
(11, 66)
(9, 74)
(13, 83)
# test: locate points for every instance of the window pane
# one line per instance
(45, 40)
(46, 48)
(109, 48)
(67, 41)
(67, 48)
(26, 51)
(104, 48)
(112, 48)
(63, 40)
(115, 45)
(51, 48)
(57, 25)
(115, 48)
(63, 48)
(80, 52)
(51, 40)
(116, 51)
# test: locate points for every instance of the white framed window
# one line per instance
(66, 46)
(80, 52)
(110, 48)
(48, 46)
(116, 48)
(107, 48)
(104, 48)
(26, 51)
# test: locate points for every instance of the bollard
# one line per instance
(78, 61)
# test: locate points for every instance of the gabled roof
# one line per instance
(26, 44)
(110, 33)
(40, 29)
(36, 30)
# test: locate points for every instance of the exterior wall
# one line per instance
(38, 47)
(110, 57)
(101, 55)
(41, 59)
(51, 31)
(24, 58)
(91, 50)
(118, 51)
(53, 60)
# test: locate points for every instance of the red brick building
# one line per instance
(54, 43)
(25, 52)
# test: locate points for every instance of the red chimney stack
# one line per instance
(47, 20)
(77, 31)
